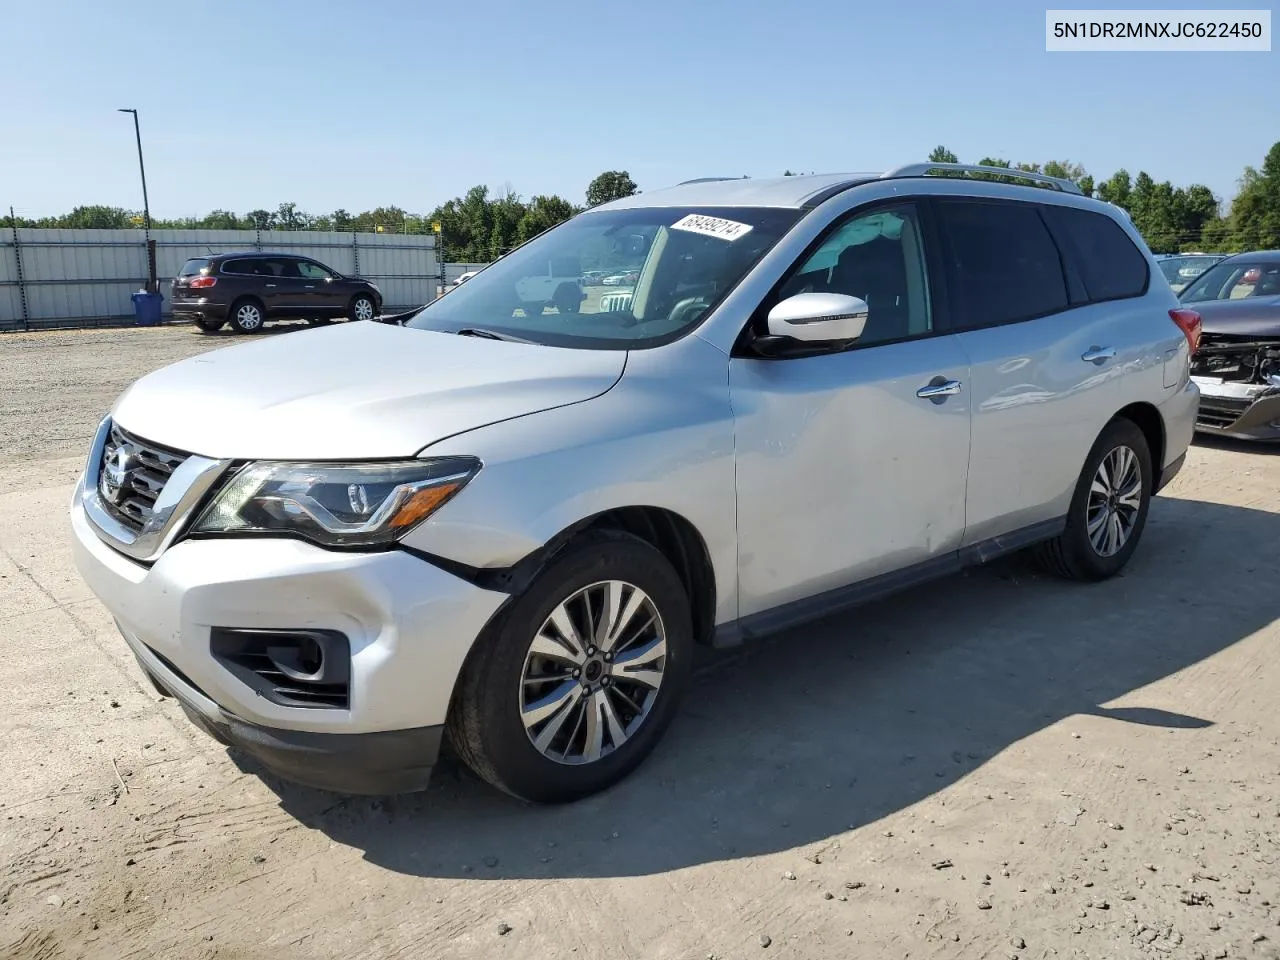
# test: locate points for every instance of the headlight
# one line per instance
(340, 505)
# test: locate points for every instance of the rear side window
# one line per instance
(238, 266)
(1003, 264)
(1109, 264)
(192, 267)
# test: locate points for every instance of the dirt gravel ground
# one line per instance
(1000, 765)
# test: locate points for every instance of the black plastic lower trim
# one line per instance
(1169, 472)
(378, 764)
(876, 588)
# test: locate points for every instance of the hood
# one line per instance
(354, 391)
(1247, 317)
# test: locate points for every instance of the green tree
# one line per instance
(941, 154)
(1116, 189)
(610, 185)
(1255, 212)
(96, 217)
(220, 220)
(261, 219)
(543, 213)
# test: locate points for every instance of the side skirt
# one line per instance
(792, 614)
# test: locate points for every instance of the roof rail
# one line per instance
(925, 169)
(707, 180)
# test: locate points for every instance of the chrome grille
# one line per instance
(132, 474)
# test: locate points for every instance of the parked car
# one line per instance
(1181, 269)
(1238, 365)
(463, 278)
(512, 529)
(552, 283)
(250, 289)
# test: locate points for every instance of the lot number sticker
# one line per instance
(712, 227)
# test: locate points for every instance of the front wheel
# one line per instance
(362, 308)
(1109, 508)
(569, 689)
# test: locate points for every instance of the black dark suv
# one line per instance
(248, 289)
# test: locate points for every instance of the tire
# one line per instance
(248, 316)
(362, 307)
(504, 676)
(210, 326)
(1075, 554)
(568, 298)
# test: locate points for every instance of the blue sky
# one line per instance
(248, 103)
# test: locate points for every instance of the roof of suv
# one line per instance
(796, 192)
(802, 191)
(253, 253)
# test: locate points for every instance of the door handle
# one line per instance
(311, 286)
(270, 286)
(939, 389)
(1098, 355)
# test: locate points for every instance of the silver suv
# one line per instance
(513, 527)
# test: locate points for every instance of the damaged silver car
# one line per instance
(1237, 365)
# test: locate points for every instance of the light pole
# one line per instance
(146, 207)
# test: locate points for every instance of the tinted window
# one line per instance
(878, 258)
(1109, 263)
(238, 266)
(192, 267)
(1004, 265)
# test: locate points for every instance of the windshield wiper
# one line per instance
(489, 334)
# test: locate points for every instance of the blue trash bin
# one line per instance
(146, 308)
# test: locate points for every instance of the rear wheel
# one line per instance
(247, 316)
(210, 326)
(571, 687)
(1109, 508)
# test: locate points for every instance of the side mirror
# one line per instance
(819, 317)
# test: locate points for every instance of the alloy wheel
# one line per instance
(592, 673)
(1115, 499)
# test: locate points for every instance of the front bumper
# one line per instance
(380, 763)
(409, 627)
(1247, 410)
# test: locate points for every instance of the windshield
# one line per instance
(1181, 271)
(612, 280)
(1235, 279)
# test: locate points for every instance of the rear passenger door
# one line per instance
(1042, 377)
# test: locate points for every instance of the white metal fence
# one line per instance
(56, 278)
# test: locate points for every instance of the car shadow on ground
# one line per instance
(793, 740)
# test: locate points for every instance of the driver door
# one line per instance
(845, 472)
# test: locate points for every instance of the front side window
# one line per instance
(1235, 280)
(1003, 264)
(661, 270)
(876, 256)
(313, 271)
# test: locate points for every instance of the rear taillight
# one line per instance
(1188, 322)
(203, 283)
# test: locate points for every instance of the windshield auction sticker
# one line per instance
(712, 227)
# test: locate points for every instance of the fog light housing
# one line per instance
(293, 668)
